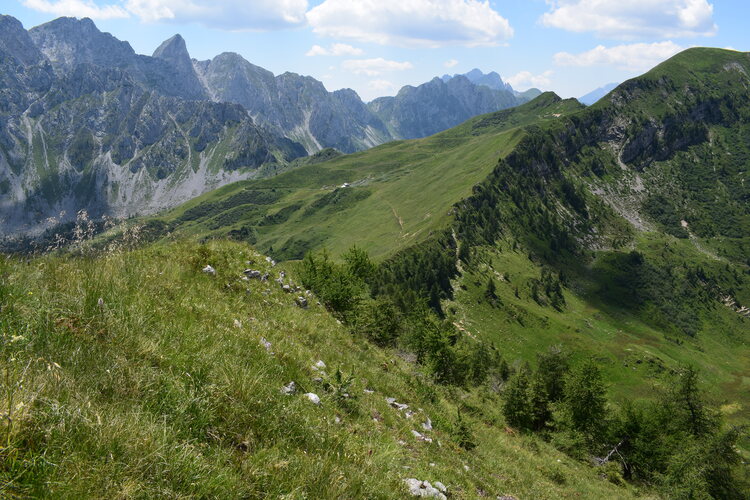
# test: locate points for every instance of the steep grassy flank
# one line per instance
(136, 375)
(397, 192)
(635, 352)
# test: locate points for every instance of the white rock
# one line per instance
(440, 486)
(313, 397)
(289, 388)
(421, 437)
(368, 391)
(209, 270)
(427, 425)
(319, 365)
(237, 323)
(419, 488)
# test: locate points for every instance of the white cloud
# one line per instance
(337, 49)
(420, 23)
(629, 19)
(632, 57)
(381, 85)
(77, 8)
(234, 15)
(526, 79)
(374, 67)
(450, 63)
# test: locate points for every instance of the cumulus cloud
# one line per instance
(526, 79)
(235, 15)
(450, 63)
(413, 23)
(633, 18)
(77, 8)
(381, 85)
(632, 57)
(374, 67)
(336, 49)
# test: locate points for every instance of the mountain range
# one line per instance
(596, 94)
(89, 124)
(544, 301)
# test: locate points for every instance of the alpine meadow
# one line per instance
(219, 282)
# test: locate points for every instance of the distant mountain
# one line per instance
(86, 123)
(438, 105)
(597, 94)
(477, 77)
(298, 107)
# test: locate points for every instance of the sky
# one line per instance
(377, 46)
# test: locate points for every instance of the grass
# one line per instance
(413, 184)
(136, 375)
(634, 355)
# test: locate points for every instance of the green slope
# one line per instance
(398, 192)
(619, 231)
(573, 181)
(133, 374)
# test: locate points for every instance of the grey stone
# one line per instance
(313, 398)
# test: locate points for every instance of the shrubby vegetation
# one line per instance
(373, 303)
(676, 442)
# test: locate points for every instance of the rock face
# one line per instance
(298, 107)
(85, 123)
(438, 105)
(477, 77)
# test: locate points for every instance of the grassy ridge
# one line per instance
(136, 375)
(411, 186)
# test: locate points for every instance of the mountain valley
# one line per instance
(223, 283)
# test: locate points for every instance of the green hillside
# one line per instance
(397, 193)
(136, 375)
(560, 191)
(545, 279)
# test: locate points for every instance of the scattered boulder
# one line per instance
(427, 425)
(395, 404)
(209, 270)
(289, 388)
(368, 391)
(314, 399)
(252, 273)
(319, 365)
(301, 301)
(286, 288)
(421, 437)
(419, 488)
(265, 277)
(237, 323)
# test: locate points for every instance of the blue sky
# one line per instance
(377, 46)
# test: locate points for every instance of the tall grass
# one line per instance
(133, 374)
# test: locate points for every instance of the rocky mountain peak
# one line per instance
(16, 42)
(68, 41)
(173, 49)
